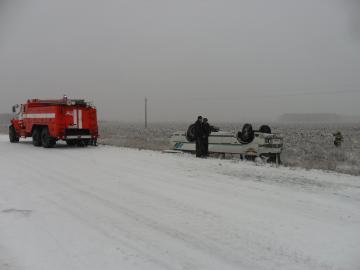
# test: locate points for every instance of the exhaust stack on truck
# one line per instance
(47, 121)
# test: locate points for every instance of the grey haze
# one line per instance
(228, 60)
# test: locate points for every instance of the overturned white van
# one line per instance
(247, 143)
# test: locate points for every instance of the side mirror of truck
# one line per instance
(14, 108)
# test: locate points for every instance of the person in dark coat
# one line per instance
(199, 134)
(339, 139)
(207, 129)
(206, 134)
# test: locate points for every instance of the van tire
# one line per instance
(190, 133)
(265, 129)
(247, 134)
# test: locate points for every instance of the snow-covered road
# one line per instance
(117, 208)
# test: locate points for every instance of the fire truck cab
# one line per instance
(47, 121)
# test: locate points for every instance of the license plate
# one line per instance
(276, 141)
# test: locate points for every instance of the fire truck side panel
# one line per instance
(90, 120)
(39, 116)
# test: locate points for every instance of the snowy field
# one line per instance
(119, 208)
(309, 146)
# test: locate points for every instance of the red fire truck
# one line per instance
(46, 121)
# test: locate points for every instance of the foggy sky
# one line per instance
(228, 60)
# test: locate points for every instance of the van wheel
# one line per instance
(36, 137)
(247, 134)
(14, 138)
(46, 140)
(265, 129)
(190, 133)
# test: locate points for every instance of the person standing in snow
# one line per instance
(206, 134)
(339, 138)
(207, 129)
(199, 134)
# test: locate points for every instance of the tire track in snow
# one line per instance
(92, 202)
(173, 233)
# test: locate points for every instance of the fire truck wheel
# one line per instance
(36, 137)
(70, 142)
(82, 143)
(14, 138)
(46, 140)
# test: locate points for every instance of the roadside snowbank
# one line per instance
(120, 208)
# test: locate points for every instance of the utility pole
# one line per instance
(146, 112)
